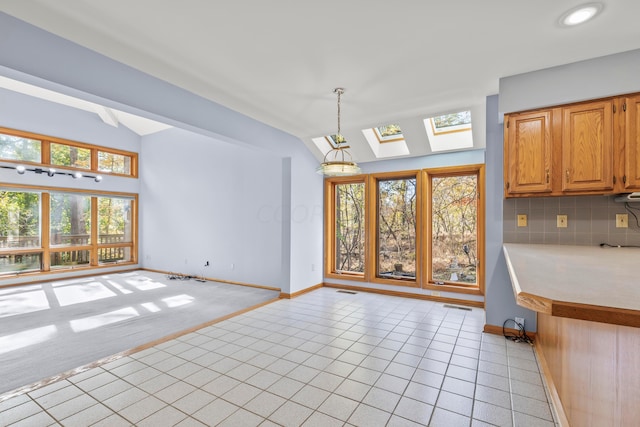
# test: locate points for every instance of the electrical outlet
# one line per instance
(622, 220)
(520, 320)
(522, 220)
(562, 221)
(206, 264)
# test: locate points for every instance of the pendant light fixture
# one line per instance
(338, 161)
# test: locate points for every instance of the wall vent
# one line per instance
(342, 291)
(457, 306)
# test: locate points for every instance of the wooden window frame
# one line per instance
(45, 153)
(427, 283)
(45, 231)
(330, 228)
(423, 228)
(372, 260)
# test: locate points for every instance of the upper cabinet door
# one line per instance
(587, 147)
(528, 153)
(632, 144)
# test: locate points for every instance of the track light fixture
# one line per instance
(21, 169)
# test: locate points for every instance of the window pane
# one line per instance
(454, 228)
(68, 155)
(114, 220)
(114, 255)
(115, 163)
(70, 219)
(397, 228)
(19, 219)
(349, 237)
(18, 148)
(70, 259)
(20, 263)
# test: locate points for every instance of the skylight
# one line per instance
(388, 133)
(386, 141)
(328, 143)
(449, 131)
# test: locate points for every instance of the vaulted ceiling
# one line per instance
(278, 61)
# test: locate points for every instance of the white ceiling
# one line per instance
(279, 60)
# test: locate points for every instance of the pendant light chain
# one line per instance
(339, 91)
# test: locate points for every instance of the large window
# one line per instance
(454, 228)
(115, 232)
(420, 228)
(24, 147)
(81, 230)
(396, 228)
(350, 227)
(20, 247)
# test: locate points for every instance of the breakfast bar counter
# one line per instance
(601, 284)
(587, 301)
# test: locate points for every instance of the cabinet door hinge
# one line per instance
(507, 124)
(614, 179)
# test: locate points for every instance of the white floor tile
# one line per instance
(321, 359)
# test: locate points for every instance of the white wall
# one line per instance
(207, 200)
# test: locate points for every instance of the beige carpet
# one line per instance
(50, 328)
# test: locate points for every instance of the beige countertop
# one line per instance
(585, 282)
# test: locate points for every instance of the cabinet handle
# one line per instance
(567, 175)
(547, 176)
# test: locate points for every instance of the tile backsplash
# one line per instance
(591, 221)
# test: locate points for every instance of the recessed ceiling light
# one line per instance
(580, 14)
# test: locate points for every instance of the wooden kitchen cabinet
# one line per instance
(570, 149)
(631, 178)
(587, 147)
(528, 155)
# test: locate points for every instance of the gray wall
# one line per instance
(591, 220)
(594, 78)
(500, 303)
(200, 201)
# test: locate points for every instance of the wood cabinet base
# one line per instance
(591, 369)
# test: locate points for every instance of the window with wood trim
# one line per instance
(345, 200)
(455, 226)
(25, 147)
(45, 230)
(396, 227)
(415, 228)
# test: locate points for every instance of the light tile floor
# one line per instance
(324, 359)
